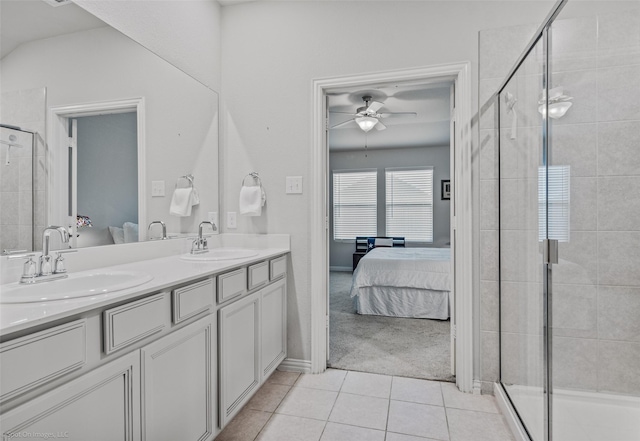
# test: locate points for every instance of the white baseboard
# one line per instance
(509, 413)
(477, 387)
(344, 269)
(294, 365)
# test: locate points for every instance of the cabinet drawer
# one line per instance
(132, 322)
(232, 284)
(192, 300)
(258, 275)
(278, 267)
(36, 359)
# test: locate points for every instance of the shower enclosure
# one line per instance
(569, 227)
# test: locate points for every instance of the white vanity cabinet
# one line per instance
(273, 327)
(103, 405)
(253, 342)
(179, 399)
(164, 366)
(239, 354)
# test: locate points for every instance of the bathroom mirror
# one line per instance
(115, 128)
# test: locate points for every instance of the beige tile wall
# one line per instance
(596, 289)
(26, 109)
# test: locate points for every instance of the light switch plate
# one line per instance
(157, 188)
(232, 220)
(212, 216)
(294, 185)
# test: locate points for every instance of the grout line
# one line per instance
(386, 425)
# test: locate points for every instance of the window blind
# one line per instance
(409, 203)
(558, 199)
(355, 203)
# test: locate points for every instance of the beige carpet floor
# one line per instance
(418, 348)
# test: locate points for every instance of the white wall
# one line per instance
(184, 32)
(341, 251)
(272, 51)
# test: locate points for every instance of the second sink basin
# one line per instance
(74, 286)
(221, 254)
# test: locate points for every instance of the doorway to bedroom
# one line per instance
(389, 206)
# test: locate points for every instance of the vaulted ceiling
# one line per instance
(27, 21)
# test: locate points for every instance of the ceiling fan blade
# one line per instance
(380, 126)
(342, 124)
(374, 106)
(344, 113)
(398, 114)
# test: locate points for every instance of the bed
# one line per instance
(403, 282)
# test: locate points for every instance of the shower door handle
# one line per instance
(550, 249)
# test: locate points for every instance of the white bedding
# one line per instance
(403, 282)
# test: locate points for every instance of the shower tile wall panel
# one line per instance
(496, 58)
(23, 108)
(596, 304)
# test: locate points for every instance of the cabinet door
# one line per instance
(273, 333)
(103, 405)
(179, 384)
(239, 354)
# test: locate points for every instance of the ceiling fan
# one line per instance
(367, 116)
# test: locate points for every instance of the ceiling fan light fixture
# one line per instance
(556, 110)
(366, 123)
(558, 104)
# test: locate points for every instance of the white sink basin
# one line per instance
(74, 286)
(221, 254)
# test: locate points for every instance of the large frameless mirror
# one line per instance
(97, 132)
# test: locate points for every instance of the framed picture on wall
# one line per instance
(445, 190)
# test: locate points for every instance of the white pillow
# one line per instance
(130, 232)
(117, 234)
(384, 242)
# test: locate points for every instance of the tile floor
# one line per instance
(354, 406)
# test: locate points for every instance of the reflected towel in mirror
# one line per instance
(182, 201)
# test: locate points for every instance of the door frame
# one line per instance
(461, 223)
(57, 140)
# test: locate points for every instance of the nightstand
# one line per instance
(356, 258)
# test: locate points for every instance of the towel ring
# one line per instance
(255, 177)
(189, 178)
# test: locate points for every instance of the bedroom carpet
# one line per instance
(417, 348)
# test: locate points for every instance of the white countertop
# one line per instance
(166, 272)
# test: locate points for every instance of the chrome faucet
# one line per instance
(199, 245)
(45, 259)
(164, 228)
(45, 270)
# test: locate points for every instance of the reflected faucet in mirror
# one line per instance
(164, 229)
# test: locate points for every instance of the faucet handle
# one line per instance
(58, 265)
(29, 271)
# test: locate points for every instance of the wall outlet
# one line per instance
(157, 189)
(212, 216)
(294, 185)
(232, 220)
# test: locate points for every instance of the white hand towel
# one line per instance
(181, 202)
(251, 201)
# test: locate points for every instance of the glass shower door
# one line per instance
(594, 208)
(522, 231)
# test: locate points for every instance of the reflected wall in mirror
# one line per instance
(88, 72)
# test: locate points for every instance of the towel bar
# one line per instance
(189, 178)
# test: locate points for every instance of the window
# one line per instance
(409, 203)
(558, 197)
(355, 203)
